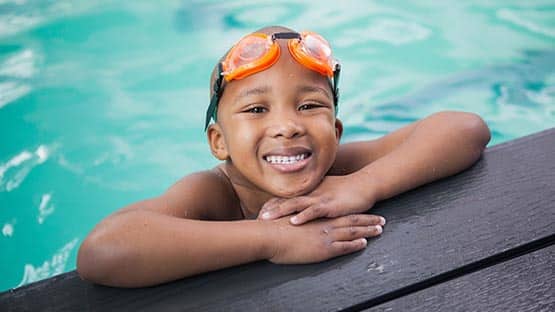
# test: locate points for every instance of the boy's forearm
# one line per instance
(441, 145)
(142, 248)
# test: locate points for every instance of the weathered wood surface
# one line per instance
(522, 284)
(504, 201)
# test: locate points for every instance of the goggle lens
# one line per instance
(317, 47)
(249, 50)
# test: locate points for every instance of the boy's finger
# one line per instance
(270, 203)
(345, 247)
(310, 213)
(286, 207)
(354, 232)
(265, 211)
(359, 219)
(292, 205)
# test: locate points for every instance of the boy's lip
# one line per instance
(288, 151)
(288, 159)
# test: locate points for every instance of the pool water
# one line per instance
(102, 102)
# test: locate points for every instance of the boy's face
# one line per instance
(278, 128)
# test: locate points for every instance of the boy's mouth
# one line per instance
(277, 159)
(288, 160)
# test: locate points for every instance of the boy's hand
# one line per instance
(321, 239)
(335, 196)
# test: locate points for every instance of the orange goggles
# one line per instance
(257, 52)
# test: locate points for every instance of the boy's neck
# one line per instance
(251, 198)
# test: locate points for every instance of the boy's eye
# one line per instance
(309, 106)
(256, 110)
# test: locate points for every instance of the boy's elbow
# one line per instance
(95, 263)
(85, 267)
(471, 127)
(476, 130)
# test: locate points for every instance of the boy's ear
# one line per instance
(338, 129)
(217, 142)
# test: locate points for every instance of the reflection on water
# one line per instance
(15, 70)
(7, 229)
(54, 266)
(392, 31)
(102, 102)
(17, 16)
(12, 24)
(14, 171)
(513, 99)
(21, 65)
(532, 20)
(46, 208)
(11, 91)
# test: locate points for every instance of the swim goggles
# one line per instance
(257, 52)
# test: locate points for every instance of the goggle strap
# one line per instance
(218, 83)
(286, 35)
(336, 86)
(211, 112)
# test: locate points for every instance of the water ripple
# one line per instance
(11, 91)
(14, 171)
(15, 68)
(20, 65)
(46, 208)
(258, 15)
(529, 19)
(389, 30)
(513, 99)
(23, 15)
(7, 229)
(12, 24)
(56, 265)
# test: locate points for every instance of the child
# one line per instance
(286, 191)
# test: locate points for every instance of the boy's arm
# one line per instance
(435, 147)
(161, 239)
(143, 248)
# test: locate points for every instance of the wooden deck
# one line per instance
(481, 240)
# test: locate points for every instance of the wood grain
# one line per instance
(522, 284)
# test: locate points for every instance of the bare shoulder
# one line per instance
(204, 195)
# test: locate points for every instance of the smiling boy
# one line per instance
(286, 190)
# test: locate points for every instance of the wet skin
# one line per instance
(277, 132)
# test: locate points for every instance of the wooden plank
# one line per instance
(502, 202)
(522, 284)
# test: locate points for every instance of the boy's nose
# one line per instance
(288, 127)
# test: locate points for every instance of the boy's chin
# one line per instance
(290, 191)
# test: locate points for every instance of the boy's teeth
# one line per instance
(285, 159)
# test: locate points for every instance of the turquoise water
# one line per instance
(102, 102)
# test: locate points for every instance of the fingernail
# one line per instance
(382, 221)
(294, 220)
(266, 215)
(377, 228)
(364, 241)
